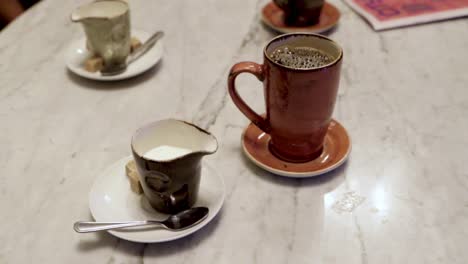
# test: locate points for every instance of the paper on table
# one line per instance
(386, 14)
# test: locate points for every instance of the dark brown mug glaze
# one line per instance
(300, 12)
(172, 185)
(299, 102)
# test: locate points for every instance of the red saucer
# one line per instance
(336, 149)
(273, 17)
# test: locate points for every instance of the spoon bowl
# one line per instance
(186, 219)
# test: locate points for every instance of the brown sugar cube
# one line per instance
(94, 64)
(133, 177)
(134, 44)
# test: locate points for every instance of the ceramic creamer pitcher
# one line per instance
(168, 156)
(107, 27)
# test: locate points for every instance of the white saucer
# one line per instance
(77, 53)
(111, 199)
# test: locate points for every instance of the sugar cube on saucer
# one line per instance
(132, 175)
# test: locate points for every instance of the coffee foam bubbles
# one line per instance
(300, 57)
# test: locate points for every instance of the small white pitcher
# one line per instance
(107, 27)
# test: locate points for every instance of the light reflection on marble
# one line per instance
(380, 199)
(402, 98)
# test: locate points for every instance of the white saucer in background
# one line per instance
(77, 53)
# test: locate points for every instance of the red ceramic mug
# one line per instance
(299, 102)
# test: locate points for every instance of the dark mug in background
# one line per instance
(300, 12)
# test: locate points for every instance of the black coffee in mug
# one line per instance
(300, 57)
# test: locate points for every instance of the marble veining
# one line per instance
(402, 98)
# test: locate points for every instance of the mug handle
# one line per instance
(257, 70)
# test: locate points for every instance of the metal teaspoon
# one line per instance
(136, 54)
(176, 222)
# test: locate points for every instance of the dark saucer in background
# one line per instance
(273, 17)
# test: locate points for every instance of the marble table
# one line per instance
(402, 197)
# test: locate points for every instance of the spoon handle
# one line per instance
(86, 227)
(147, 45)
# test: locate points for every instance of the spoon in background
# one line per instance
(176, 222)
(136, 54)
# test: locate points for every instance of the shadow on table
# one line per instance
(331, 180)
(105, 240)
(114, 85)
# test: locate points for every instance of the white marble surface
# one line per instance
(403, 99)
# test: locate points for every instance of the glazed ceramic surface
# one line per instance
(107, 27)
(299, 101)
(300, 12)
(111, 199)
(336, 148)
(76, 54)
(171, 183)
(274, 17)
